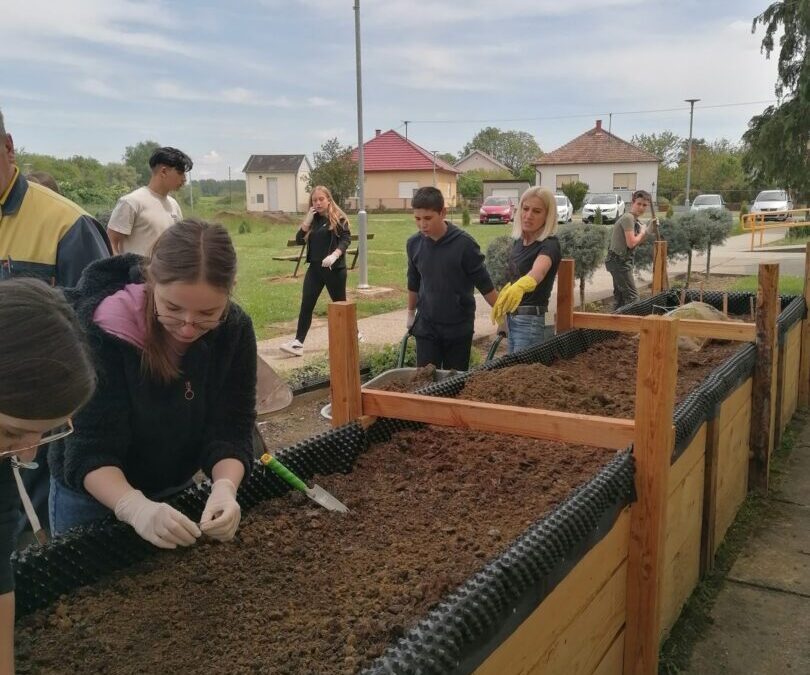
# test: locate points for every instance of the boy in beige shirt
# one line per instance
(140, 217)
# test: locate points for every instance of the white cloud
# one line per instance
(212, 157)
(320, 102)
(96, 87)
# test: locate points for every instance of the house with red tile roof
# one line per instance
(396, 167)
(601, 159)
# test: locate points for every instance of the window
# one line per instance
(624, 181)
(407, 188)
(260, 199)
(563, 178)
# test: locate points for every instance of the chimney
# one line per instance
(599, 125)
(377, 132)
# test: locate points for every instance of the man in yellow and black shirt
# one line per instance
(42, 234)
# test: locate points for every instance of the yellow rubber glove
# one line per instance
(510, 296)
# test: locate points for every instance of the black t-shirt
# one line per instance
(521, 260)
(9, 515)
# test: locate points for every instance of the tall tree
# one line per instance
(779, 139)
(666, 146)
(515, 149)
(137, 156)
(448, 157)
(333, 167)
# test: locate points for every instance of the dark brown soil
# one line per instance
(421, 377)
(302, 590)
(600, 381)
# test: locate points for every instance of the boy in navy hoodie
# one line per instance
(445, 265)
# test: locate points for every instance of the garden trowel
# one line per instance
(316, 493)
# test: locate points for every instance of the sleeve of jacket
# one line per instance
(472, 261)
(344, 236)
(300, 237)
(229, 428)
(414, 278)
(9, 516)
(102, 435)
(85, 242)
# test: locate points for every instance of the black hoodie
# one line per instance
(445, 273)
(158, 434)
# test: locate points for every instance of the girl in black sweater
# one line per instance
(176, 361)
(45, 375)
(325, 231)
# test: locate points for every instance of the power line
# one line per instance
(588, 115)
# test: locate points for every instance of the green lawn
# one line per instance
(788, 285)
(269, 293)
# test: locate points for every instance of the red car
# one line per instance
(497, 210)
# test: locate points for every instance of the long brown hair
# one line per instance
(334, 213)
(188, 252)
(46, 371)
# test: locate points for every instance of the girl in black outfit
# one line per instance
(176, 360)
(325, 231)
(45, 375)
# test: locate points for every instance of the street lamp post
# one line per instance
(691, 102)
(362, 216)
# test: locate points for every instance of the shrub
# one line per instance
(244, 227)
(465, 216)
(497, 260)
(576, 192)
(676, 245)
(587, 246)
(597, 217)
(720, 225)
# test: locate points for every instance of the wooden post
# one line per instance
(804, 366)
(710, 483)
(344, 363)
(565, 295)
(725, 304)
(660, 279)
(652, 449)
(762, 395)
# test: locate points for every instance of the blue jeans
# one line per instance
(69, 509)
(525, 331)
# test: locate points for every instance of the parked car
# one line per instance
(707, 203)
(772, 200)
(497, 210)
(611, 206)
(565, 210)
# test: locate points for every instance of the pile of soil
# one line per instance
(421, 377)
(600, 381)
(303, 590)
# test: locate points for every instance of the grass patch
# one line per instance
(788, 285)
(695, 618)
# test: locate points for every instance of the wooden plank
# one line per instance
(804, 368)
(652, 449)
(565, 295)
(711, 478)
(601, 432)
(344, 363)
(763, 410)
(732, 459)
(790, 382)
(720, 330)
(568, 615)
(684, 511)
(660, 281)
(611, 663)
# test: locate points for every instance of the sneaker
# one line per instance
(296, 348)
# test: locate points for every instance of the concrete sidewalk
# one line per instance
(383, 329)
(761, 617)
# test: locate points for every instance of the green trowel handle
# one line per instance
(283, 472)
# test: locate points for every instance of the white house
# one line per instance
(478, 160)
(604, 161)
(277, 183)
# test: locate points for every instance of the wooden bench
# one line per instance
(298, 257)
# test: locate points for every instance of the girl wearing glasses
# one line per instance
(45, 375)
(176, 362)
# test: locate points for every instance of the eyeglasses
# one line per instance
(54, 435)
(175, 322)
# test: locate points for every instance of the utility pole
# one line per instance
(229, 185)
(691, 102)
(434, 167)
(362, 216)
(191, 192)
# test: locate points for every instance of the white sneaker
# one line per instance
(295, 348)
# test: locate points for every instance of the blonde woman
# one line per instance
(325, 231)
(533, 263)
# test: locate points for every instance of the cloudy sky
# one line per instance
(222, 80)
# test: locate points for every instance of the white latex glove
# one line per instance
(158, 523)
(411, 318)
(331, 259)
(308, 219)
(222, 513)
